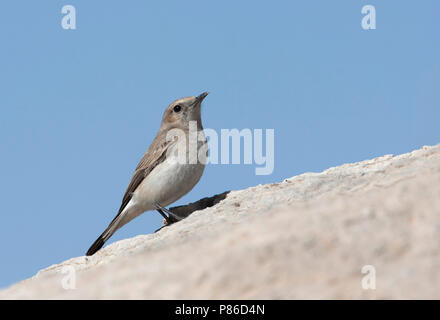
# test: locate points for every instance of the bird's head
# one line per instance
(181, 111)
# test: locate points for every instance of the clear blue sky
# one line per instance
(79, 107)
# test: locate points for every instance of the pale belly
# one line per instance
(167, 183)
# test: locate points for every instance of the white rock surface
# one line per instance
(306, 237)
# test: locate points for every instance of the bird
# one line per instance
(168, 170)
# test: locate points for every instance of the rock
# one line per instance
(309, 236)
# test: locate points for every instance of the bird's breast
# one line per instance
(168, 182)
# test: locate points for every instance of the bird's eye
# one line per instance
(177, 108)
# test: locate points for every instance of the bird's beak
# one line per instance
(200, 98)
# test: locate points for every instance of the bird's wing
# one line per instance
(154, 156)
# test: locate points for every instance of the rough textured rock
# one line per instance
(306, 237)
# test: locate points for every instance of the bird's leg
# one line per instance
(161, 209)
(169, 221)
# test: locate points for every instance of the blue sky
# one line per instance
(79, 107)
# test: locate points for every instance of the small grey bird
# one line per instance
(160, 179)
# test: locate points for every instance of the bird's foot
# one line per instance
(171, 218)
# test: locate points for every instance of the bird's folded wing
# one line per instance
(154, 156)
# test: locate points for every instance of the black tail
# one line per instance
(111, 229)
(96, 246)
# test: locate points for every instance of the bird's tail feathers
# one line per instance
(111, 229)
